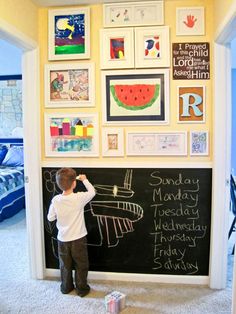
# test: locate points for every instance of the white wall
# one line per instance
(10, 59)
(233, 82)
(233, 53)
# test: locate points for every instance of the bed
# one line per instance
(12, 191)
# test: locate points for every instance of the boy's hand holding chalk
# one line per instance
(81, 177)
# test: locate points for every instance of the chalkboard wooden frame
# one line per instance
(199, 279)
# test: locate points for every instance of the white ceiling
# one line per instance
(59, 3)
(51, 3)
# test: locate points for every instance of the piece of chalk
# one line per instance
(78, 177)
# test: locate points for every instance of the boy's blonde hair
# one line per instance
(65, 178)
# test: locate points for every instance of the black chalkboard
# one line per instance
(154, 221)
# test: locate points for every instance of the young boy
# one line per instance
(68, 209)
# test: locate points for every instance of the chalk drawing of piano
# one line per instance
(109, 220)
(115, 218)
(117, 191)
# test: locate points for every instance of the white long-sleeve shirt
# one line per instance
(68, 210)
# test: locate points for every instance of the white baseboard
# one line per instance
(172, 279)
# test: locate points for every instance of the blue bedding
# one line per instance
(12, 192)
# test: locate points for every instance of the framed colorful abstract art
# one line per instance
(112, 142)
(69, 85)
(191, 104)
(152, 47)
(117, 48)
(71, 135)
(135, 97)
(69, 34)
(190, 21)
(133, 13)
(199, 143)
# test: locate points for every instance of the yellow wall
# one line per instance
(96, 24)
(22, 14)
(221, 9)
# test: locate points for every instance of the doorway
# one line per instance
(222, 152)
(32, 144)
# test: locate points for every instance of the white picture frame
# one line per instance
(117, 48)
(199, 143)
(152, 47)
(69, 33)
(76, 88)
(71, 135)
(112, 142)
(133, 13)
(153, 109)
(156, 143)
(190, 21)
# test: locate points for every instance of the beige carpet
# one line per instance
(19, 294)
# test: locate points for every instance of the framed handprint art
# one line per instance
(190, 21)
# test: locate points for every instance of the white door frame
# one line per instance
(221, 167)
(32, 144)
(222, 157)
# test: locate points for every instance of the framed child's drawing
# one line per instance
(156, 143)
(133, 13)
(141, 143)
(191, 104)
(117, 48)
(71, 135)
(172, 143)
(69, 85)
(135, 97)
(190, 21)
(152, 47)
(112, 142)
(69, 34)
(199, 143)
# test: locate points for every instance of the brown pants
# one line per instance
(73, 254)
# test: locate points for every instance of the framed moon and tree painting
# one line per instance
(69, 34)
(136, 97)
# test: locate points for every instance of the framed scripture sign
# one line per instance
(135, 97)
(69, 34)
(133, 13)
(191, 61)
(69, 85)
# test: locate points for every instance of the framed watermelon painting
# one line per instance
(135, 97)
